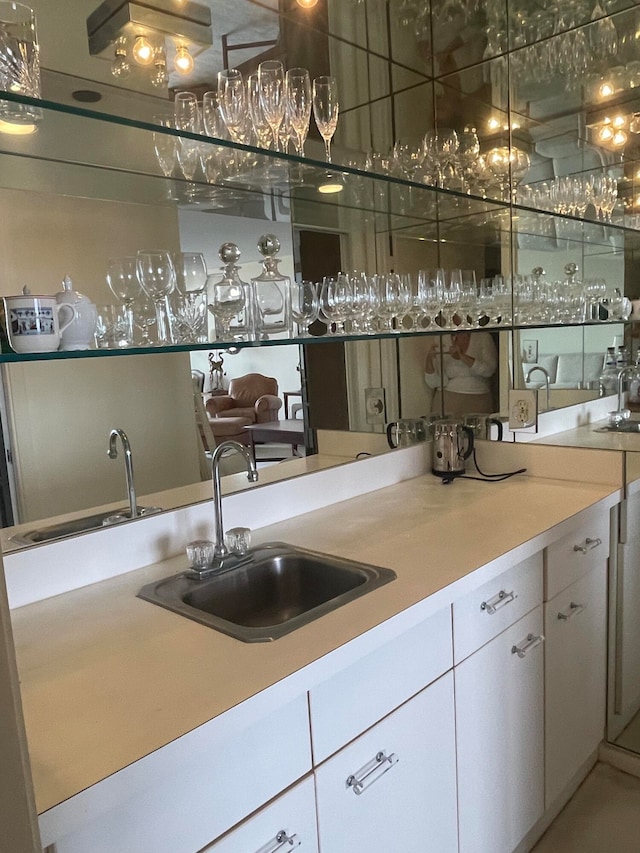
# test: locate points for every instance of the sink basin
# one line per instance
(78, 525)
(277, 589)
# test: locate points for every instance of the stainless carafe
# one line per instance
(452, 445)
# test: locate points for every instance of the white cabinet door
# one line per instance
(288, 823)
(499, 721)
(575, 625)
(394, 788)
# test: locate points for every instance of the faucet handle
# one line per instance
(238, 540)
(200, 554)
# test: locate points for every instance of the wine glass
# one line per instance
(441, 146)
(232, 103)
(191, 274)
(305, 306)
(144, 317)
(123, 283)
(298, 108)
(272, 95)
(409, 155)
(157, 277)
(227, 300)
(325, 109)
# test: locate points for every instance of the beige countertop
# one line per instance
(108, 678)
(595, 437)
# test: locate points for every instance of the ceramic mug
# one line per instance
(36, 323)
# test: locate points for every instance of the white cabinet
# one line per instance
(575, 626)
(499, 722)
(288, 823)
(394, 788)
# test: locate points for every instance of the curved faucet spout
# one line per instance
(546, 381)
(252, 475)
(128, 465)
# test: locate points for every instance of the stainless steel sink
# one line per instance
(275, 590)
(78, 525)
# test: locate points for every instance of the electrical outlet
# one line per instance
(523, 410)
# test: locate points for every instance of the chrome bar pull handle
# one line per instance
(371, 772)
(499, 600)
(589, 545)
(531, 642)
(573, 610)
(281, 843)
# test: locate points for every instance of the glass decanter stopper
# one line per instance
(238, 322)
(271, 292)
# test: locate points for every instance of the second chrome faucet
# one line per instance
(128, 466)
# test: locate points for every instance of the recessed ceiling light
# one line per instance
(86, 96)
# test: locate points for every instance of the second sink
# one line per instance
(276, 590)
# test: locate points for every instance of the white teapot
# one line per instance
(78, 335)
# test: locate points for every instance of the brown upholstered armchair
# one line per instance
(253, 396)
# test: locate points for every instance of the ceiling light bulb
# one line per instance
(142, 51)
(619, 138)
(307, 4)
(605, 90)
(183, 61)
(17, 128)
(605, 133)
(619, 121)
(494, 124)
(515, 125)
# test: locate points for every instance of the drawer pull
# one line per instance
(371, 772)
(281, 842)
(530, 643)
(589, 545)
(573, 610)
(498, 601)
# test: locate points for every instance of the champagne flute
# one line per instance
(257, 114)
(186, 112)
(272, 95)
(298, 94)
(325, 109)
(157, 277)
(164, 145)
(232, 103)
(212, 120)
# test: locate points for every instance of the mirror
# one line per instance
(381, 226)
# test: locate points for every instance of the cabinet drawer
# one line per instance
(585, 546)
(487, 611)
(394, 788)
(357, 697)
(288, 823)
(182, 796)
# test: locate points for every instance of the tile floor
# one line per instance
(602, 817)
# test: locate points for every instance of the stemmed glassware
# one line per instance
(441, 146)
(305, 306)
(144, 315)
(157, 277)
(325, 109)
(409, 155)
(272, 95)
(335, 302)
(186, 112)
(261, 126)
(227, 300)
(232, 103)
(164, 145)
(124, 284)
(212, 120)
(298, 105)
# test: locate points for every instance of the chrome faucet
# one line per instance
(621, 375)
(128, 466)
(220, 550)
(546, 381)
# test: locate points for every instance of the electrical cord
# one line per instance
(491, 478)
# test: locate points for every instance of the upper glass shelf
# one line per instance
(78, 152)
